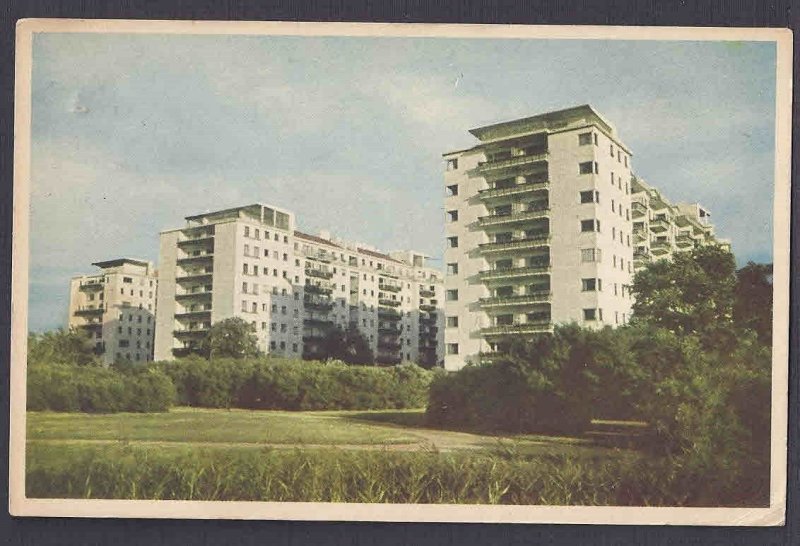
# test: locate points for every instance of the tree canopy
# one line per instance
(753, 306)
(230, 338)
(347, 345)
(62, 347)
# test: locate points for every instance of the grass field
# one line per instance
(337, 456)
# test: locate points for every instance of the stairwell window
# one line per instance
(452, 216)
(452, 348)
(590, 225)
(590, 314)
(452, 322)
(452, 190)
(585, 139)
(589, 285)
(451, 295)
(452, 164)
(452, 268)
(587, 167)
(452, 242)
(590, 196)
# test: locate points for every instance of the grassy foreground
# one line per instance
(375, 457)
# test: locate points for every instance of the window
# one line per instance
(452, 242)
(452, 348)
(590, 255)
(247, 231)
(586, 167)
(246, 250)
(124, 343)
(584, 139)
(244, 269)
(595, 138)
(452, 216)
(127, 280)
(452, 268)
(254, 309)
(590, 314)
(452, 164)
(588, 285)
(590, 225)
(451, 295)
(244, 288)
(611, 149)
(452, 190)
(613, 233)
(244, 306)
(452, 322)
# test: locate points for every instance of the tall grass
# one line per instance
(254, 474)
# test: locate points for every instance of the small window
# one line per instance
(247, 231)
(590, 255)
(452, 190)
(588, 285)
(595, 138)
(586, 167)
(452, 164)
(590, 314)
(452, 348)
(452, 216)
(590, 225)
(452, 242)
(587, 196)
(451, 295)
(611, 149)
(452, 268)
(585, 139)
(452, 322)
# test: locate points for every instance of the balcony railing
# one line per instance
(318, 321)
(514, 272)
(312, 337)
(389, 314)
(199, 314)
(427, 307)
(535, 241)
(85, 311)
(388, 302)
(514, 161)
(660, 247)
(388, 345)
(638, 210)
(684, 241)
(428, 318)
(513, 218)
(519, 189)
(195, 276)
(321, 305)
(199, 240)
(540, 296)
(197, 258)
(318, 289)
(191, 332)
(390, 287)
(319, 273)
(659, 225)
(425, 293)
(200, 294)
(389, 331)
(523, 328)
(94, 284)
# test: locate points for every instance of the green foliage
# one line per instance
(753, 306)
(691, 293)
(274, 383)
(62, 346)
(230, 338)
(349, 346)
(64, 387)
(553, 382)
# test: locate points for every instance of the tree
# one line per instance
(72, 346)
(230, 338)
(691, 293)
(753, 305)
(348, 346)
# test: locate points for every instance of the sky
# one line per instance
(131, 133)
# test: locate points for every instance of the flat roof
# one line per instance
(546, 116)
(120, 261)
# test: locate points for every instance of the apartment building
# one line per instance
(540, 227)
(660, 228)
(117, 308)
(252, 262)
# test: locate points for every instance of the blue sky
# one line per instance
(130, 133)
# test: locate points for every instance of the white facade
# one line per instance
(540, 231)
(117, 308)
(251, 262)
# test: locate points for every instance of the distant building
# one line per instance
(117, 308)
(251, 262)
(543, 218)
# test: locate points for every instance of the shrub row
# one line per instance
(95, 389)
(285, 384)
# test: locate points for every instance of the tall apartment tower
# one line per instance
(539, 231)
(117, 307)
(251, 262)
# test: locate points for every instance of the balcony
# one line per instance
(514, 272)
(196, 258)
(389, 314)
(684, 241)
(519, 189)
(525, 243)
(93, 326)
(540, 296)
(427, 307)
(660, 248)
(318, 289)
(194, 276)
(313, 337)
(89, 311)
(319, 273)
(390, 287)
(317, 321)
(638, 210)
(388, 360)
(319, 305)
(428, 318)
(92, 285)
(659, 225)
(180, 352)
(514, 218)
(201, 240)
(388, 302)
(191, 333)
(514, 161)
(200, 294)
(524, 328)
(388, 330)
(425, 293)
(429, 331)
(197, 315)
(389, 345)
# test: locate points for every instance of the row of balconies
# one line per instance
(319, 273)
(536, 213)
(531, 156)
(514, 272)
(534, 297)
(517, 243)
(518, 189)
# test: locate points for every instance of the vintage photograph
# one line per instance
(402, 272)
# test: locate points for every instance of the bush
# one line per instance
(284, 384)
(64, 387)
